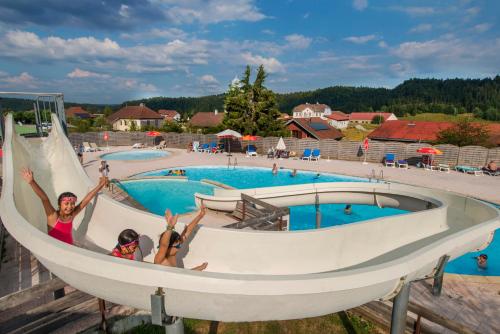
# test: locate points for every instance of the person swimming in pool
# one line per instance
(171, 241)
(482, 261)
(293, 173)
(348, 209)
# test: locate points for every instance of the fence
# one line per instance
(332, 149)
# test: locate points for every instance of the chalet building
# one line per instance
(422, 131)
(140, 115)
(170, 115)
(367, 117)
(338, 120)
(207, 119)
(311, 110)
(314, 127)
(78, 112)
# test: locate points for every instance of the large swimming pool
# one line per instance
(135, 155)
(156, 195)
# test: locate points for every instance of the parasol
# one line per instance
(228, 134)
(153, 134)
(429, 150)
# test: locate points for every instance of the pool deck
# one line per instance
(471, 300)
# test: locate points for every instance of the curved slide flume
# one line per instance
(251, 275)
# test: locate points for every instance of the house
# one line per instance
(422, 131)
(311, 110)
(338, 120)
(141, 115)
(170, 115)
(78, 112)
(367, 117)
(313, 127)
(207, 119)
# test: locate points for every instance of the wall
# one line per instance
(330, 148)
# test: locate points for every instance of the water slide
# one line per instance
(251, 275)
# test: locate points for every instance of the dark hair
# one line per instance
(484, 256)
(348, 206)
(65, 194)
(174, 237)
(127, 236)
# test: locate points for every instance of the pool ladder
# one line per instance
(235, 162)
(373, 176)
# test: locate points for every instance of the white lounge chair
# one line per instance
(87, 147)
(95, 147)
(138, 145)
(161, 145)
(444, 168)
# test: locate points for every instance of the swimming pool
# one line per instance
(178, 195)
(135, 155)
(254, 177)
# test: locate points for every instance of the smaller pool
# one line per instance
(135, 155)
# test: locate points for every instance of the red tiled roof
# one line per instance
(78, 112)
(305, 123)
(318, 107)
(368, 116)
(415, 131)
(206, 119)
(168, 113)
(134, 112)
(338, 116)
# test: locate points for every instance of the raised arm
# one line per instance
(47, 206)
(161, 255)
(86, 200)
(192, 225)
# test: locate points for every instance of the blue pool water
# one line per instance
(135, 155)
(177, 195)
(254, 177)
(466, 264)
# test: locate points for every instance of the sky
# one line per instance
(116, 50)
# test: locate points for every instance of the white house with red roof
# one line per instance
(367, 117)
(170, 115)
(139, 115)
(338, 119)
(308, 110)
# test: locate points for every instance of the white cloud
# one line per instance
(424, 27)
(360, 39)
(208, 79)
(415, 11)
(213, 11)
(78, 73)
(306, 15)
(268, 32)
(133, 84)
(124, 11)
(360, 4)
(400, 69)
(382, 44)
(172, 33)
(473, 10)
(22, 80)
(483, 27)
(297, 41)
(271, 64)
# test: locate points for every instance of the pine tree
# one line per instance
(252, 108)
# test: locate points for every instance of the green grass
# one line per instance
(339, 323)
(437, 117)
(27, 128)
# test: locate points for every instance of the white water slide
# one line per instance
(251, 275)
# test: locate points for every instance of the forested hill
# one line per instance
(451, 96)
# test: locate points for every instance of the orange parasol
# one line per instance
(153, 134)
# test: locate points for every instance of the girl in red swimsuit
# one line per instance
(128, 241)
(60, 222)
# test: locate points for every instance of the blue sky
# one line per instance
(115, 50)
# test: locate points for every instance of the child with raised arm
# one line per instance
(171, 241)
(60, 221)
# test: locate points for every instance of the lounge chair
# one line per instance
(389, 160)
(306, 155)
(316, 154)
(491, 172)
(251, 151)
(469, 170)
(138, 145)
(444, 168)
(270, 153)
(213, 148)
(205, 148)
(87, 147)
(161, 145)
(402, 164)
(95, 147)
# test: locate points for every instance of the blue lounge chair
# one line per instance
(205, 148)
(251, 151)
(389, 160)
(306, 155)
(402, 164)
(316, 154)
